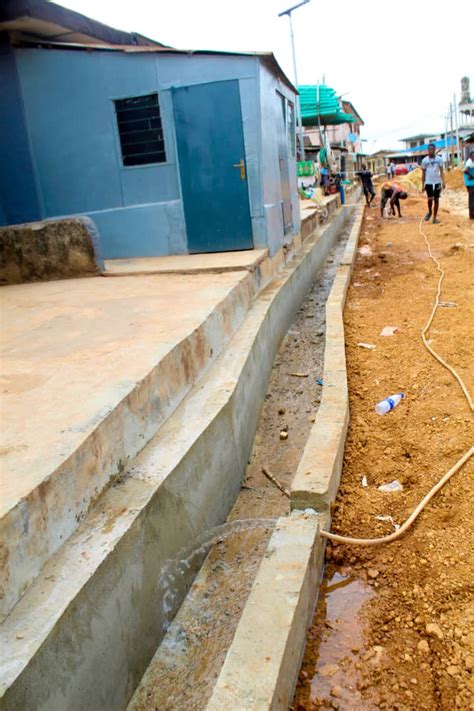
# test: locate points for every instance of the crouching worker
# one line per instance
(392, 192)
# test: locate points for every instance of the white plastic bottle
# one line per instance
(388, 404)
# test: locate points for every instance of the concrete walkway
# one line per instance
(71, 349)
(217, 262)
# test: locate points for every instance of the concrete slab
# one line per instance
(83, 634)
(262, 664)
(90, 369)
(187, 263)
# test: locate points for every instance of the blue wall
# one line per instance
(68, 98)
(271, 88)
(18, 194)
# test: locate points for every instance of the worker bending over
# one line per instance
(432, 181)
(392, 192)
(367, 185)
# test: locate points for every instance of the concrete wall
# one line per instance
(68, 98)
(41, 251)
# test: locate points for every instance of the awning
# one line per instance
(320, 104)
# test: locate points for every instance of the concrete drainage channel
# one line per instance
(107, 617)
(238, 639)
(261, 667)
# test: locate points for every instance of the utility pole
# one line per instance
(298, 106)
(458, 143)
(446, 147)
(451, 110)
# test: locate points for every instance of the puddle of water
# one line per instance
(329, 677)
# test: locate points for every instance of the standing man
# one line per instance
(392, 169)
(432, 181)
(367, 186)
(469, 182)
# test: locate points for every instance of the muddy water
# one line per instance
(329, 677)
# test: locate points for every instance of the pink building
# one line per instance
(344, 139)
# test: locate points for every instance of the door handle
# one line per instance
(240, 165)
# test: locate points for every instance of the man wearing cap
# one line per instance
(432, 181)
(469, 182)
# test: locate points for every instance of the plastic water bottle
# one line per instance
(388, 404)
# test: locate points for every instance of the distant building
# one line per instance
(414, 143)
(416, 147)
(167, 151)
(377, 162)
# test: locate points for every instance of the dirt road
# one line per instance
(394, 628)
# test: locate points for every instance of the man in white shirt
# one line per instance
(432, 181)
(469, 182)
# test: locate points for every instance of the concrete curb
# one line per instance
(266, 652)
(261, 667)
(179, 486)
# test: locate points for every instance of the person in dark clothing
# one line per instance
(469, 182)
(392, 192)
(367, 186)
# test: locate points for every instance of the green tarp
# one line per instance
(319, 103)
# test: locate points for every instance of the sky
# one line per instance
(399, 63)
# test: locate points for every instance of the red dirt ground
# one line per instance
(416, 647)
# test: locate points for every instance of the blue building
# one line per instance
(167, 151)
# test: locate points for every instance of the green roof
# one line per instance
(320, 103)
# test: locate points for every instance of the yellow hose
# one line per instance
(410, 519)
(393, 536)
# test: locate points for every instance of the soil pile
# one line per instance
(454, 179)
(411, 181)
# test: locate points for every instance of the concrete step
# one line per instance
(216, 263)
(97, 367)
(83, 634)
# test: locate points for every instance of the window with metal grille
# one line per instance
(140, 130)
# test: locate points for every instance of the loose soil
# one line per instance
(191, 655)
(405, 638)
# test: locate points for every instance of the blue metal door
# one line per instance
(210, 140)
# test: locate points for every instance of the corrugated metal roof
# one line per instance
(416, 150)
(267, 58)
